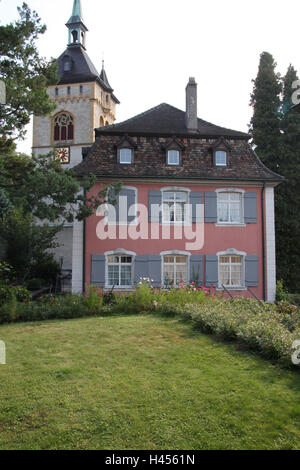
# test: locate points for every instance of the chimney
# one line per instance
(191, 105)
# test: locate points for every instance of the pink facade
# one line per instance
(245, 237)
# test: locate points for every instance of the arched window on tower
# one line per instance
(63, 127)
(101, 121)
(75, 35)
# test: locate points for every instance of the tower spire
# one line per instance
(76, 26)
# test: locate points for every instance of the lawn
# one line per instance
(140, 382)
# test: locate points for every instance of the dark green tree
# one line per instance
(265, 100)
(26, 76)
(287, 195)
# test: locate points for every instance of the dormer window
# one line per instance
(173, 157)
(125, 156)
(221, 158)
(125, 150)
(221, 152)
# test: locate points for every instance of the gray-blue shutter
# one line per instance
(250, 211)
(141, 267)
(130, 195)
(210, 206)
(98, 270)
(196, 200)
(155, 270)
(251, 270)
(154, 199)
(196, 269)
(211, 270)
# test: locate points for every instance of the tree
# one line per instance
(26, 76)
(40, 188)
(265, 100)
(287, 200)
(275, 130)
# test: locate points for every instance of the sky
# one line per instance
(152, 48)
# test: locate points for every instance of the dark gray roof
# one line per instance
(167, 120)
(83, 69)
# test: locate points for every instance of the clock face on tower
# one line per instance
(62, 154)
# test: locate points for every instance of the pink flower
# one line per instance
(155, 303)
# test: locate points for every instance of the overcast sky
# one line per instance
(151, 48)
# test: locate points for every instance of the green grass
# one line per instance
(140, 382)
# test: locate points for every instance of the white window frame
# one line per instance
(216, 158)
(172, 163)
(175, 253)
(119, 252)
(233, 252)
(241, 223)
(176, 189)
(120, 156)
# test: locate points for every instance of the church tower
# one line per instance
(84, 101)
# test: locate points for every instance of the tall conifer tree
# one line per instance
(287, 200)
(265, 99)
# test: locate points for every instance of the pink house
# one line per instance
(196, 204)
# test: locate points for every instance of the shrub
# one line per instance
(6, 294)
(22, 294)
(35, 284)
(94, 300)
(281, 292)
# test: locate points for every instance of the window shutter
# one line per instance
(131, 201)
(98, 270)
(196, 200)
(250, 212)
(211, 270)
(210, 207)
(251, 270)
(196, 269)
(121, 215)
(154, 199)
(141, 267)
(155, 270)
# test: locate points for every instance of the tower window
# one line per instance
(81, 89)
(56, 92)
(75, 36)
(69, 90)
(63, 127)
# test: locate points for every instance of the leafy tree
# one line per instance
(25, 74)
(265, 100)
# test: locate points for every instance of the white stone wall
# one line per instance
(270, 244)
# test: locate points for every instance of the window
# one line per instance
(125, 156)
(173, 157)
(231, 270)
(174, 269)
(221, 158)
(119, 271)
(69, 90)
(81, 89)
(230, 207)
(63, 127)
(174, 206)
(56, 91)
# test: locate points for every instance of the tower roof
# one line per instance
(81, 69)
(103, 76)
(76, 13)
